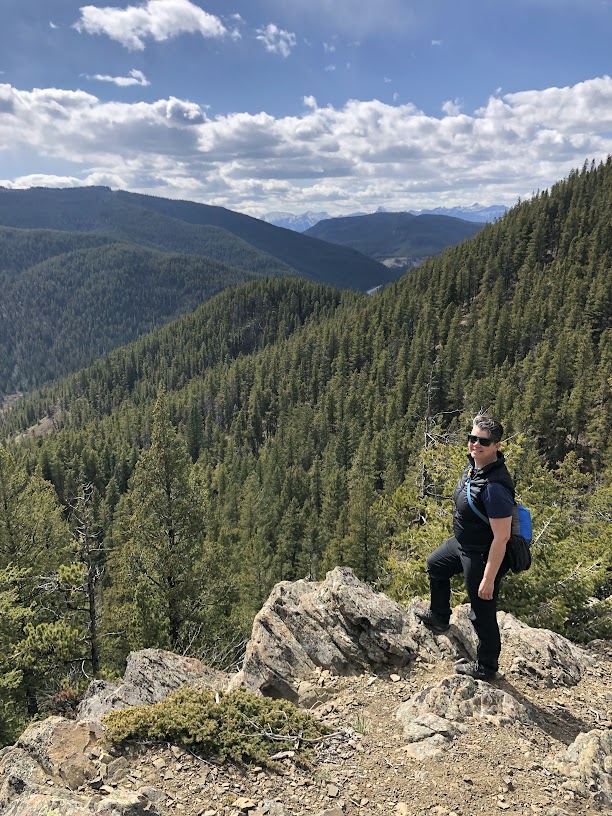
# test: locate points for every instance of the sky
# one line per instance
(300, 105)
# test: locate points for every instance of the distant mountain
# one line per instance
(85, 270)
(303, 222)
(186, 226)
(476, 212)
(399, 238)
(298, 223)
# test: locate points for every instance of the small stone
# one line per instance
(395, 678)
(402, 809)
(242, 803)
(332, 791)
(159, 763)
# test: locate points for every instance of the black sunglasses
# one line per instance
(484, 441)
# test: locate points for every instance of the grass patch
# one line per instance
(240, 727)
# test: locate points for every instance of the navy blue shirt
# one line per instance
(497, 500)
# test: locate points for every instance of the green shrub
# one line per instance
(240, 726)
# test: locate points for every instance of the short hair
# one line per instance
(487, 423)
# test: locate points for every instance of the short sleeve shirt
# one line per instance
(497, 500)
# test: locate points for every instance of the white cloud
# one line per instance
(436, 42)
(330, 68)
(452, 108)
(387, 80)
(134, 77)
(40, 180)
(156, 19)
(338, 159)
(275, 40)
(329, 48)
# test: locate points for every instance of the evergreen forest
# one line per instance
(153, 498)
(86, 270)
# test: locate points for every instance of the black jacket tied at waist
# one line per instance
(470, 531)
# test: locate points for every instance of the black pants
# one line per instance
(448, 560)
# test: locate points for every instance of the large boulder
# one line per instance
(587, 766)
(433, 717)
(150, 676)
(47, 804)
(19, 771)
(539, 654)
(55, 769)
(62, 748)
(340, 625)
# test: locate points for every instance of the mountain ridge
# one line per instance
(404, 236)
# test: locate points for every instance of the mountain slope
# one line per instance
(60, 314)
(185, 226)
(385, 235)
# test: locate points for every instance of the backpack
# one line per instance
(518, 548)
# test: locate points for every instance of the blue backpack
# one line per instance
(518, 549)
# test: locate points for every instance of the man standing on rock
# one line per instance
(477, 548)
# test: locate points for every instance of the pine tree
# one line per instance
(157, 567)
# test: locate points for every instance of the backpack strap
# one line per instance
(480, 515)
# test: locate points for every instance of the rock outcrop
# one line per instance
(339, 625)
(433, 717)
(545, 656)
(51, 766)
(150, 675)
(587, 766)
(329, 641)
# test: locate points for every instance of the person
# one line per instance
(477, 548)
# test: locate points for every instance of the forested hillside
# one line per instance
(385, 235)
(67, 299)
(185, 226)
(286, 427)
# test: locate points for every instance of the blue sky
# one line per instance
(294, 105)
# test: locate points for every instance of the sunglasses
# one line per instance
(484, 441)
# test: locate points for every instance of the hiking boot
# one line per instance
(432, 621)
(475, 670)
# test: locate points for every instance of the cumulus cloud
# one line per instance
(339, 159)
(134, 77)
(451, 108)
(276, 40)
(436, 43)
(156, 19)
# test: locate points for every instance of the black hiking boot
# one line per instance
(432, 621)
(474, 669)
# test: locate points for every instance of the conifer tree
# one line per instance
(157, 566)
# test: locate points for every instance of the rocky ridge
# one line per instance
(410, 738)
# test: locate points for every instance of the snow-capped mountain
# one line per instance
(301, 223)
(475, 212)
(297, 223)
